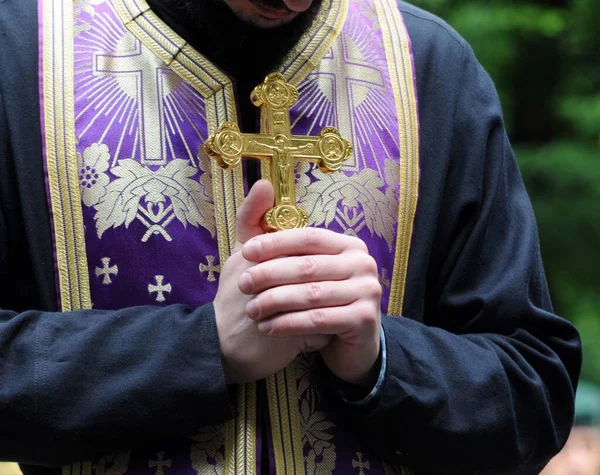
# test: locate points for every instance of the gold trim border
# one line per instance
(285, 421)
(401, 70)
(312, 46)
(397, 47)
(61, 155)
(239, 437)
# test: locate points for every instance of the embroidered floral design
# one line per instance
(155, 198)
(207, 451)
(113, 464)
(321, 456)
(362, 202)
(392, 178)
(93, 164)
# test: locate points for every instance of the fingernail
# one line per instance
(246, 283)
(253, 309)
(253, 249)
(265, 327)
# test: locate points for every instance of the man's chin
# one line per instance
(267, 23)
(260, 16)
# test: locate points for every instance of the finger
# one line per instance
(254, 206)
(299, 242)
(310, 343)
(299, 269)
(324, 321)
(289, 298)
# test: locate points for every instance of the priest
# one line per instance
(150, 325)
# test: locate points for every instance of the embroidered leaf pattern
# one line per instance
(357, 193)
(113, 464)
(120, 203)
(392, 177)
(170, 187)
(187, 195)
(207, 451)
(321, 456)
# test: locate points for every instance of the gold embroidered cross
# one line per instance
(160, 463)
(360, 464)
(277, 144)
(210, 267)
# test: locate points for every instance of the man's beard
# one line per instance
(230, 42)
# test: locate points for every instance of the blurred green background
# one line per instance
(544, 57)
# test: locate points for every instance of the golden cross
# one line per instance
(277, 144)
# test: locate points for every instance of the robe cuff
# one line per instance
(382, 360)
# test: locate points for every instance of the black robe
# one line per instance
(480, 372)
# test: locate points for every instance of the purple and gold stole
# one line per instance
(141, 217)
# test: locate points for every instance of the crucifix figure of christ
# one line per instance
(277, 144)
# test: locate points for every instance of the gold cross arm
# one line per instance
(276, 144)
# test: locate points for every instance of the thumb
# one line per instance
(255, 205)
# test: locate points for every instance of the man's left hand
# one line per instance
(314, 281)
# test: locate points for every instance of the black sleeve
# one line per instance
(485, 383)
(78, 384)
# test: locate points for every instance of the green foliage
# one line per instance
(582, 111)
(545, 60)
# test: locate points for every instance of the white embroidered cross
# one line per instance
(358, 72)
(148, 86)
(106, 270)
(159, 288)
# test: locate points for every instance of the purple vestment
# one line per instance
(157, 215)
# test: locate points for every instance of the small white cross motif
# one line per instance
(159, 288)
(106, 270)
(383, 280)
(362, 466)
(211, 268)
(160, 463)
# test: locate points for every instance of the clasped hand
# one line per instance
(296, 291)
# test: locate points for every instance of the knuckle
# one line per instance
(270, 243)
(317, 318)
(313, 293)
(267, 302)
(365, 263)
(261, 275)
(358, 244)
(367, 314)
(310, 237)
(370, 264)
(309, 344)
(278, 327)
(373, 288)
(307, 267)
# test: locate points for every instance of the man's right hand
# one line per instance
(247, 354)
